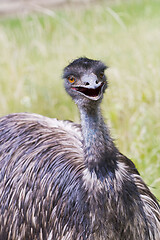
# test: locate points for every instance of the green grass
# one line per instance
(35, 48)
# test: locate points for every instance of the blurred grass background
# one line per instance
(125, 35)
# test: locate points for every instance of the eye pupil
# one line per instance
(71, 79)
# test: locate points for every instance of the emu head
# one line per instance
(85, 81)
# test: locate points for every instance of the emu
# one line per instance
(65, 181)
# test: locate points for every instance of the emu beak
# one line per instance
(91, 87)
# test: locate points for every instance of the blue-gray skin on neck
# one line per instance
(97, 144)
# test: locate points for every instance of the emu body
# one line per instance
(64, 181)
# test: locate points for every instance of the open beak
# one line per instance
(91, 93)
(91, 87)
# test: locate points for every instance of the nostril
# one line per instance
(96, 81)
(87, 83)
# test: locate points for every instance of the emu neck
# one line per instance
(97, 144)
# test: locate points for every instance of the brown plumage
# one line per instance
(64, 181)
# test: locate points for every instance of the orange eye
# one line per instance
(101, 75)
(71, 79)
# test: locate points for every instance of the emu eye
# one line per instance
(71, 79)
(101, 75)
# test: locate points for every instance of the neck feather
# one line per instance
(98, 147)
